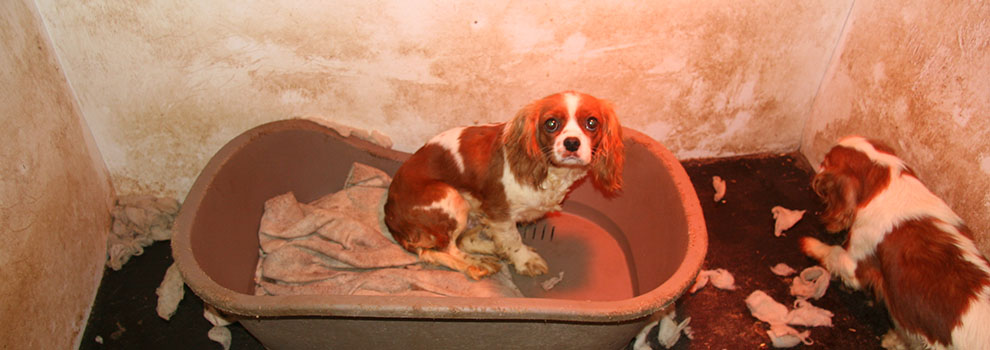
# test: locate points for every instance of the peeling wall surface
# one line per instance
(55, 194)
(916, 76)
(164, 84)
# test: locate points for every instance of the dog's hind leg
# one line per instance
(476, 239)
(475, 266)
(433, 232)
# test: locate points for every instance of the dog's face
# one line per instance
(567, 132)
(568, 129)
(851, 174)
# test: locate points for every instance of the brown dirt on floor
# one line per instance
(741, 240)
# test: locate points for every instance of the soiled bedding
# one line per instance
(339, 245)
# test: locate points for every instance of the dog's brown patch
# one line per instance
(921, 275)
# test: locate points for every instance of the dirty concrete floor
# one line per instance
(124, 316)
(741, 240)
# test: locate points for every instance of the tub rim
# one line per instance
(434, 307)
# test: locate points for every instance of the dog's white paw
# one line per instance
(814, 248)
(530, 264)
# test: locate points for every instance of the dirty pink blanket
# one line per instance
(339, 245)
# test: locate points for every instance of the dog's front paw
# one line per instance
(534, 266)
(814, 248)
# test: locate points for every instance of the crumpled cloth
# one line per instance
(668, 334)
(551, 282)
(170, 292)
(785, 219)
(219, 333)
(719, 185)
(768, 310)
(783, 336)
(764, 308)
(783, 270)
(811, 283)
(805, 314)
(337, 245)
(138, 221)
(720, 278)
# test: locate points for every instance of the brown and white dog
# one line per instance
(456, 201)
(905, 244)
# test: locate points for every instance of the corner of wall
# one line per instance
(812, 118)
(56, 193)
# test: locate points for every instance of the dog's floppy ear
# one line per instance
(840, 194)
(521, 144)
(849, 179)
(609, 156)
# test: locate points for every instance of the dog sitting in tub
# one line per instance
(456, 201)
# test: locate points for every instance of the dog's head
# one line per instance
(852, 173)
(568, 129)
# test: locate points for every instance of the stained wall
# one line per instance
(55, 193)
(164, 83)
(915, 75)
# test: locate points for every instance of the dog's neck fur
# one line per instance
(527, 203)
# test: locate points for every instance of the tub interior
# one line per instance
(609, 247)
(612, 247)
(593, 262)
(303, 158)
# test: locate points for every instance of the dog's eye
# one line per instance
(591, 124)
(551, 125)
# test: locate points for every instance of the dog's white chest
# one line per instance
(528, 204)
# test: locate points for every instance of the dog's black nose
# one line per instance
(572, 144)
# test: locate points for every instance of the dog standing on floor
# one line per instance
(456, 201)
(905, 244)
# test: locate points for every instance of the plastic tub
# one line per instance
(625, 258)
